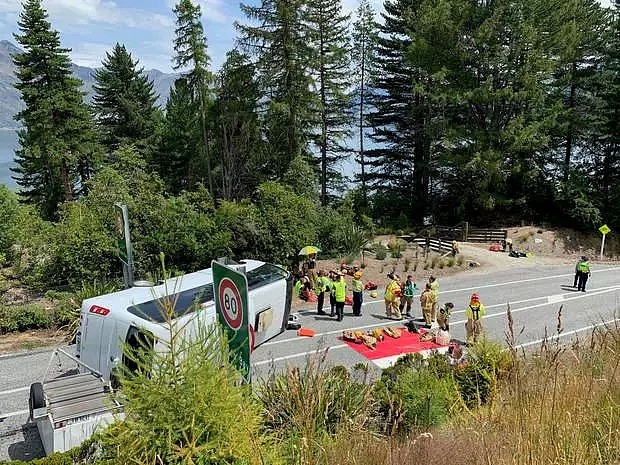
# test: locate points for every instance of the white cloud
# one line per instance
(349, 6)
(150, 54)
(72, 13)
(90, 54)
(212, 10)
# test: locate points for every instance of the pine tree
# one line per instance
(190, 46)
(327, 30)
(577, 31)
(606, 179)
(363, 56)
(237, 133)
(58, 145)
(400, 164)
(124, 101)
(279, 45)
(180, 136)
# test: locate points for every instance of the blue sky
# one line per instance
(146, 27)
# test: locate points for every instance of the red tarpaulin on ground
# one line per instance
(407, 343)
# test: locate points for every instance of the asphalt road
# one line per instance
(535, 296)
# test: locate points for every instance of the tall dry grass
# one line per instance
(561, 405)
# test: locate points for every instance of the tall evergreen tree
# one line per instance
(363, 57)
(124, 101)
(576, 28)
(494, 136)
(181, 135)
(190, 46)
(607, 172)
(58, 144)
(328, 39)
(237, 134)
(400, 165)
(278, 43)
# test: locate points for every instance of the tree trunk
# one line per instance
(361, 122)
(569, 136)
(323, 121)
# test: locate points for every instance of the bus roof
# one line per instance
(144, 302)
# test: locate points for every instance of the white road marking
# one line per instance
(555, 337)
(300, 354)
(4, 416)
(13, 391)
(554, 299)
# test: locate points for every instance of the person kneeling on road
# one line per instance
(475, 311)
(443, 319)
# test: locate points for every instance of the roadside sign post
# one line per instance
(604, 231)
(230, 288)
(125, 252)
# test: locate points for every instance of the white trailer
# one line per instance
(69, 409)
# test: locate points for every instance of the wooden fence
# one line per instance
(466, 233)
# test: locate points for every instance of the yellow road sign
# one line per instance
(604, 229)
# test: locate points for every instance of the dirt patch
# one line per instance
(30, 340)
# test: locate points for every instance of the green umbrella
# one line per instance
(309, 250)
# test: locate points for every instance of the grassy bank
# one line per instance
(553, 405)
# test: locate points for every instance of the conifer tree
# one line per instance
(400, 163)
(190, 46)
(124, 101)
(363, 57)
(607, 171)
(327, 29)
(58, 144)
(237, 133)
(278, 43)
(180, 136)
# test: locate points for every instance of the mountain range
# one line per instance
(11, 103)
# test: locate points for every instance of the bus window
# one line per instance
(137, 340)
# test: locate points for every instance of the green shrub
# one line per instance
(9, 210)
(290, 220)
(426, 399)
(396, 253)
(306, 407)
(245, 224)
(380, 252)
(23, 318)
(185, 405)
(477, 379)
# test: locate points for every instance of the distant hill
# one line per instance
(10, 101)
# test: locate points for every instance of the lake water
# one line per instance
(8, 144)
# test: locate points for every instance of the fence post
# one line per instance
(465, 231)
